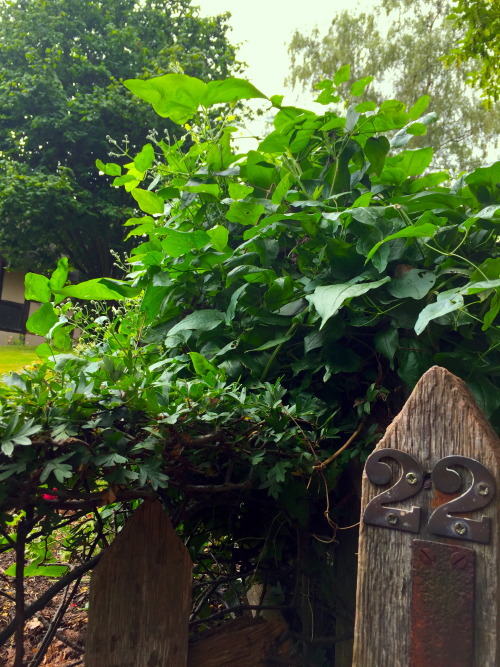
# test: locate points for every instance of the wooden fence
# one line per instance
(140, 600)
(428, 586)
(428, 571)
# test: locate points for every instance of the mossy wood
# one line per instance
(440, 419)
(140, 596)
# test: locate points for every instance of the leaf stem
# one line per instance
(276, 351)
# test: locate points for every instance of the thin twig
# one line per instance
(9, 597)
(59, 634)
(49, 594)
(203, 440)
(51, 631)
(55, 623)
(322, 466)
(217, 488)
(9, 539)
(22, 532)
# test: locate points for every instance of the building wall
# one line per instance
(12, 296)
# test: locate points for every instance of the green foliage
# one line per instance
(480, 43)
(405, 54)
(277, 303)
(62, 99)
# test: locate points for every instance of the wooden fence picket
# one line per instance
(140, 596)
(428, 590)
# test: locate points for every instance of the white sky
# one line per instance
(265, 27)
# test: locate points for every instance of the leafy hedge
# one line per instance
(280, 304)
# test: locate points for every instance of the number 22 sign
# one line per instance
(441, 522)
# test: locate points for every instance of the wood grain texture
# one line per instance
(439, 419)
(244, 642)
(140, 596)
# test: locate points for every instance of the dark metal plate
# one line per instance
(442, 605)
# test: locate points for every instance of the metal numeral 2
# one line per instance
(478, 495)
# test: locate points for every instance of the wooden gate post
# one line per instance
(140, 596)
(429, 564)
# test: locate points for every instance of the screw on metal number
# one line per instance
(478, 495)
(411, 478)
(482, 489)
(408, 484)
(460, 528)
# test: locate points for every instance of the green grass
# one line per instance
(14, 357)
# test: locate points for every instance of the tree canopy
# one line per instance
(62, 63)
(279, 307)
(405, 59)
(481, 42)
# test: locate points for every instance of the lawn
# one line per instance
(14, 357)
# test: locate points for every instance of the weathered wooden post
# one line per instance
(140, 596)
(428, 576)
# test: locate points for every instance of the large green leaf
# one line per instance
(413, 360)
(239, 190)
(233, 303)
(427, 230)
(415, 284)
(110, 168)
(409, 162)
(229, 90)
(358, 87)
(419, 107)
(276, 142)
(330, 298)
(60, 337)
(428, 181)
(258, 171)
(149, 202)
(480, 286)
(387, 342)
(342, 75)
(60, 275)
(492, 313)
(376, 148)
(178, 243)
(246, 213)
(95, 289)
(207, 188)
(484, 391)
(144, 160)
(489, 213)
(175, 96)
(218, 236)
(36, 288)
(488, 177)
(201, 320)
(272, 343)
(488, 270)
(442, 306)
(201, 365)
(38, 569)
(42, 320)
(405, 135)
(122, 287)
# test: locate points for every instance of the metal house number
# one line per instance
(478, 495)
